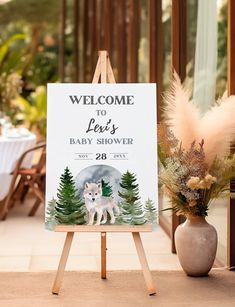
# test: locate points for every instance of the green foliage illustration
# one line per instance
(50, 214)
(150, 211)
(106, 189)
(131, 209)
(69, 207)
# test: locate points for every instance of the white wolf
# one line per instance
(96, 203)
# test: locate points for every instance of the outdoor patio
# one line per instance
(31, 254)
(121, 289)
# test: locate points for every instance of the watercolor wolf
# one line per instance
(96, 203)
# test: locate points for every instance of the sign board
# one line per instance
(101, 154)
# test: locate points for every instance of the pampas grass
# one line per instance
(180, 114)
(216, 127)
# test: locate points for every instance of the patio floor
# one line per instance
(29, 253)
(121, 289)
(27, 247)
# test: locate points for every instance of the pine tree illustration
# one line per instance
(131, 209)
(106, 188)
(150, 211)
(50, 214)
(69, 207)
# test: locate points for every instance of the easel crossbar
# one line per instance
(102, 228)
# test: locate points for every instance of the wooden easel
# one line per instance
(104, 73)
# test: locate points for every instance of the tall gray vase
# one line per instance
(196, 245)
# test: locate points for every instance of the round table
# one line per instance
(10, 151)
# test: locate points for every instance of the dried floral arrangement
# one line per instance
(194, 151)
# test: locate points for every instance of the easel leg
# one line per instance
(103, 255)
(144, 263)
(62, 264)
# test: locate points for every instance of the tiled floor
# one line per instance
(26, 246)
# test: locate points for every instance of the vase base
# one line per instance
(198, 275)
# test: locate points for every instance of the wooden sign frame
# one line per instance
(103, 72)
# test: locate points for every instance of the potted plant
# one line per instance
(196, 168)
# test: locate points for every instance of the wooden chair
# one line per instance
(25, 179)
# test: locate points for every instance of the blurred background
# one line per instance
(48, 41)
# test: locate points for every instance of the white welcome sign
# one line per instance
(101, 154)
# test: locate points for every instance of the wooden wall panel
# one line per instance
(108, 25)
(133, 39)
(121, 41)
(179, 37)
(105, 25)
(62, 41)
(179, 62)
(155, 37)
(93, 33)
(75, 41)
(88, 38)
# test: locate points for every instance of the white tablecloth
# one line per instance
(10, 151)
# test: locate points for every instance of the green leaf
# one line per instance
(41, 100)
(5, 46)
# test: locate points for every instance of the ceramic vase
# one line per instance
(196, 245)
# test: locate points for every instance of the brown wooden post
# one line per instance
(114, 36)
(179, 37)
(231, 91)
(93, 33)
(133, 40)
(105, 24)
(179, 62)
(121, 41)
(155, 29)
(62, 41)
(75, 44)
(98, 25)
(101, 34)
(86, 26)
(108, 25)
